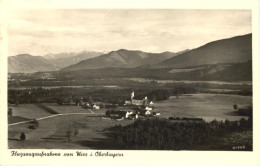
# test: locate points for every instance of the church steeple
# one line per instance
(132, 95)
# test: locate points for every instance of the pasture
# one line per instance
(51, 131)
(206, 106)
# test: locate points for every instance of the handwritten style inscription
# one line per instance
(77, 153)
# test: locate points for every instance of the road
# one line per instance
(51, 116)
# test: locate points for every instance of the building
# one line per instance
(133, 101)
(128, 102)
(148, 109)
(147, 113)
(132, 95)
(137, 102)
(97, 107)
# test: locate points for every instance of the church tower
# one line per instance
(132, 95)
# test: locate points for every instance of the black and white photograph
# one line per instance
(130, 79)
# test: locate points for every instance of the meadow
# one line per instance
(51, 131)
(206, 106)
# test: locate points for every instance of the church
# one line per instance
(136, 102)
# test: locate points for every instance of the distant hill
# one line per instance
(214, 72)
(66, 59)
(232, 50)
(25, 63)
(122, 58)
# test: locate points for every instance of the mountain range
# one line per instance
(122, 58)
(232, 50)
(25, 63)
(66, 59)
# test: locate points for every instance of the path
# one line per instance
(46, 117)
(90, 111)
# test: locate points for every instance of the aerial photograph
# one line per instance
(130, 79)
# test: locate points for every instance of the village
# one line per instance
(131, 109)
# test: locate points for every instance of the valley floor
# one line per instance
(89, 127)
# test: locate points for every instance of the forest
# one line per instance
(111, 95)
(152, 134)
(117, 95)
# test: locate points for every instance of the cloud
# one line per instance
(41, 31)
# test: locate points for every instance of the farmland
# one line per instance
(92, 127)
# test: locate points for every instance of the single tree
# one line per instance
(22, 136)
(76, 132)
(69, 135)
(235, 107)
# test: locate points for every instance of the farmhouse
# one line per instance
(131, 115)
(97, 107)
(148, 109)
(147, 113)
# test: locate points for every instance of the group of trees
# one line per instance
(233, 72)
(165, 93)
(34, 95)
(117, 114)
(247, 111)
(163, 134)
(39, 95)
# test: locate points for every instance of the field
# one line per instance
(206, 106)
(29, 111)
(51, 130)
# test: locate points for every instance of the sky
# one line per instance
(42, 31)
